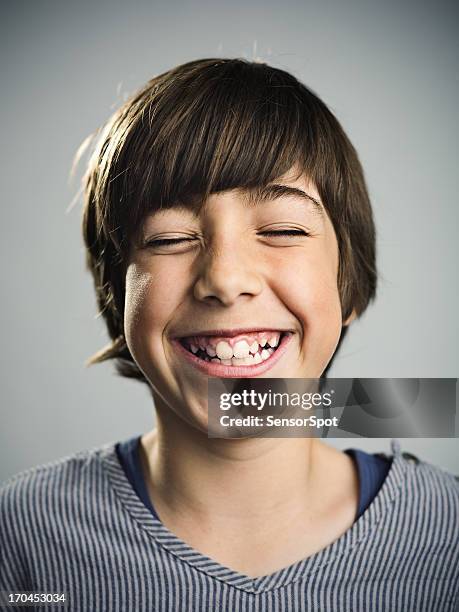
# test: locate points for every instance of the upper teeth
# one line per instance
(247, 345)
(241, 349)
(224, 350)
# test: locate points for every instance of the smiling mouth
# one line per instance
(242, 350)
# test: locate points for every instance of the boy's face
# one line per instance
(228, 273)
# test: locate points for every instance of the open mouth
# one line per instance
(244, 350)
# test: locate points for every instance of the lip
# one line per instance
(230, 333)
(225, 371)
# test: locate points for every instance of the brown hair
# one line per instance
(207, 126)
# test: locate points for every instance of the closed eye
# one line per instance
(292, 233)
(165, 242)
(168, 241)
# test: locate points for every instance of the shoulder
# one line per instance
(35, 490)
(431, 477)
(432, 491)
(41, 510)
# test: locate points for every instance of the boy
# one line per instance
(229, 233)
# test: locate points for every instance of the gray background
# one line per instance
(389, 73)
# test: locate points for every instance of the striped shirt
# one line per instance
(77, 526)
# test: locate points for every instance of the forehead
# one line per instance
(297, 190)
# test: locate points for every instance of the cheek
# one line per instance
(321, 285)
(312, 295)
(136, 312)
(150, 301)
(307, 278)
(307, 282)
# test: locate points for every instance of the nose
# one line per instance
(227, 272)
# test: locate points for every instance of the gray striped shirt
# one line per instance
(77, 526)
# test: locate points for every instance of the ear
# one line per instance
(350, 318)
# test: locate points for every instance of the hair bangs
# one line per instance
(205, 135)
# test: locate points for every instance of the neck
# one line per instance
(237, 482)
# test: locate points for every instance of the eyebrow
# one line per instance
(254, 196)
(273, 191)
